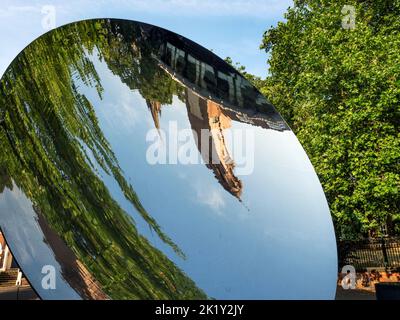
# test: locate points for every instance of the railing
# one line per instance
(382, 253)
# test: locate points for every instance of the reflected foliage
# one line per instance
(48, 135)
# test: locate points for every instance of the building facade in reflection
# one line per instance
(218, 82)
(208, 123)
(206, 114)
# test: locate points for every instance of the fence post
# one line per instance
(385, 256)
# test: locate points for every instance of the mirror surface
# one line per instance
(135, 164)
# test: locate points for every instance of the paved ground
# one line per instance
(26, 293)
(355, 294)
(17, 293)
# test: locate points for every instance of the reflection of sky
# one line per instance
(20, 226)
(278, 243)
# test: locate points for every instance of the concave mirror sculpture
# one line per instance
(135, 164)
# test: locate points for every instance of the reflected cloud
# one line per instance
(211, 197)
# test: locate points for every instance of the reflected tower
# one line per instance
(207, 115)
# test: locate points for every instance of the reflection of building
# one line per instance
(208, 121)
(215, 94)
(209, 115)
(13, 284)
(10, 275)
(155, 109)
(214, 79)
(73, 270)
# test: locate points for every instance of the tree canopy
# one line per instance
(339, 90)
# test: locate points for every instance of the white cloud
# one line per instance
(211, 197)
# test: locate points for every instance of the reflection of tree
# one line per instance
(5, 181)
(129, 55)
(48, 131)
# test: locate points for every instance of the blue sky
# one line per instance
(230, 27)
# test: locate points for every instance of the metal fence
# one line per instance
(383, 253)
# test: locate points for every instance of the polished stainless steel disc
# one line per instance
(135, 164)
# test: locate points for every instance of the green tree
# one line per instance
(257, 81)
(339, 89)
